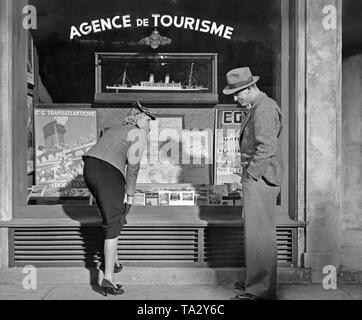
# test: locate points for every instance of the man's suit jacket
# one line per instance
(260, 144)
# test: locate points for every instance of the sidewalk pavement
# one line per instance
(75, 284)
(169, 292)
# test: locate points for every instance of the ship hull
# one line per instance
(156, 88)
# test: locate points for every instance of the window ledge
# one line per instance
(186, 216)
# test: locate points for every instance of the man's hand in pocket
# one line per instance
(128, 207)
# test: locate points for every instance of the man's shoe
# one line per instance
(246, 296)
(239, 285)
(249, 296)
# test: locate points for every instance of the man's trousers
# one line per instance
(260, 237)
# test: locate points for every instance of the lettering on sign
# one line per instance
(232, 117)
(155, 20)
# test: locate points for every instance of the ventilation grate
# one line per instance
(224, 247)
(73, 246)
(140, 246)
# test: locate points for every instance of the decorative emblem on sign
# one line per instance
(155, 40)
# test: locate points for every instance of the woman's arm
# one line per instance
(138, 140)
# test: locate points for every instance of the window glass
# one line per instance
(67, 66)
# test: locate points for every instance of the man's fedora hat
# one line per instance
(239, 79)
(145, 110)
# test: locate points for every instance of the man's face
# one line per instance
(243, 97)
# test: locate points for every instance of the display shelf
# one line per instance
(85, 215)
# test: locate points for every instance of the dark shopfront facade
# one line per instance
(295, 46)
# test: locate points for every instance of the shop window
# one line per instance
(64, 76)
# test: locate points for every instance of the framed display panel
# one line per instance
(156, 78)
(175, 154)
(30, 61)
(30, 134)
(161, 160)
(62, 136)
(227, 160)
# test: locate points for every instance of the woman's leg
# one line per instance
(107, 184)
(110, 252)
(116, 256)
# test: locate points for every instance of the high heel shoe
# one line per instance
(108, 287)
(117, 268)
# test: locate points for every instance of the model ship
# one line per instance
(151, 85)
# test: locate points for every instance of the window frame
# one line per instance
(290, 143)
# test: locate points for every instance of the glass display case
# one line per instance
(156, 78)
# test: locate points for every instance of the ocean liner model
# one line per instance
(150, 85)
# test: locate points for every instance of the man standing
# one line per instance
(260, 149)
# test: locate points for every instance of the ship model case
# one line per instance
(156, 78)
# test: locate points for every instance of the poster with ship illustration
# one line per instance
(62, 136)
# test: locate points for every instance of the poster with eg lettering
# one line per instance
(227, 164)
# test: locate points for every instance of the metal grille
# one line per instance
(140, 246)
(82, 246)
(224, 247)
(286, 239)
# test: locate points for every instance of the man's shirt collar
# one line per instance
(260, 96)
